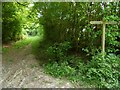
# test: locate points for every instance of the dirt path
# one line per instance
(21, 70)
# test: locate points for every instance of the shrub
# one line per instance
(70, 67)
(58, 50)
(59, 70)
(106, 72)
(99, 72)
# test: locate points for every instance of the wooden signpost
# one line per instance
(103, 32)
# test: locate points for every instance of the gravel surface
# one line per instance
(21, 70)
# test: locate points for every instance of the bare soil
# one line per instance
(21, 70)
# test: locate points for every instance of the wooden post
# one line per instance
(103, 39)
(103, 32)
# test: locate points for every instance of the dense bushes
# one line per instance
(58, 50)
(106, 72)
(103, 73)
(11, 25)
(18, 21)
(67, 27)
(99, 72)
(71, 22)
(68, 35)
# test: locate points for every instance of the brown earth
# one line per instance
(21, 70)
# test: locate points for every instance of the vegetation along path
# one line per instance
(21, 69)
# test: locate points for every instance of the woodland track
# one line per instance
(20, 69)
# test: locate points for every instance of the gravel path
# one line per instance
(21, 70)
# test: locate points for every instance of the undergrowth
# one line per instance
(21, 44)
(98, 72)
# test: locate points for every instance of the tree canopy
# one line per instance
(71, 22)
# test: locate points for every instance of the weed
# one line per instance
(98, 72)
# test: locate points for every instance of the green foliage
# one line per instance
(66, 28)
(5, 50)
(99, 72)
(71, 22)
(18, 21)
(35, 43)
(11, 24)
(69, 67)
(105, 72)
(22, 43)
(62, 69)
(58, 50)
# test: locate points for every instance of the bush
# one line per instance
(99, 72)
(106, 72)
(59, 70)
(70, 67)
(58, 51)
(11, 25)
